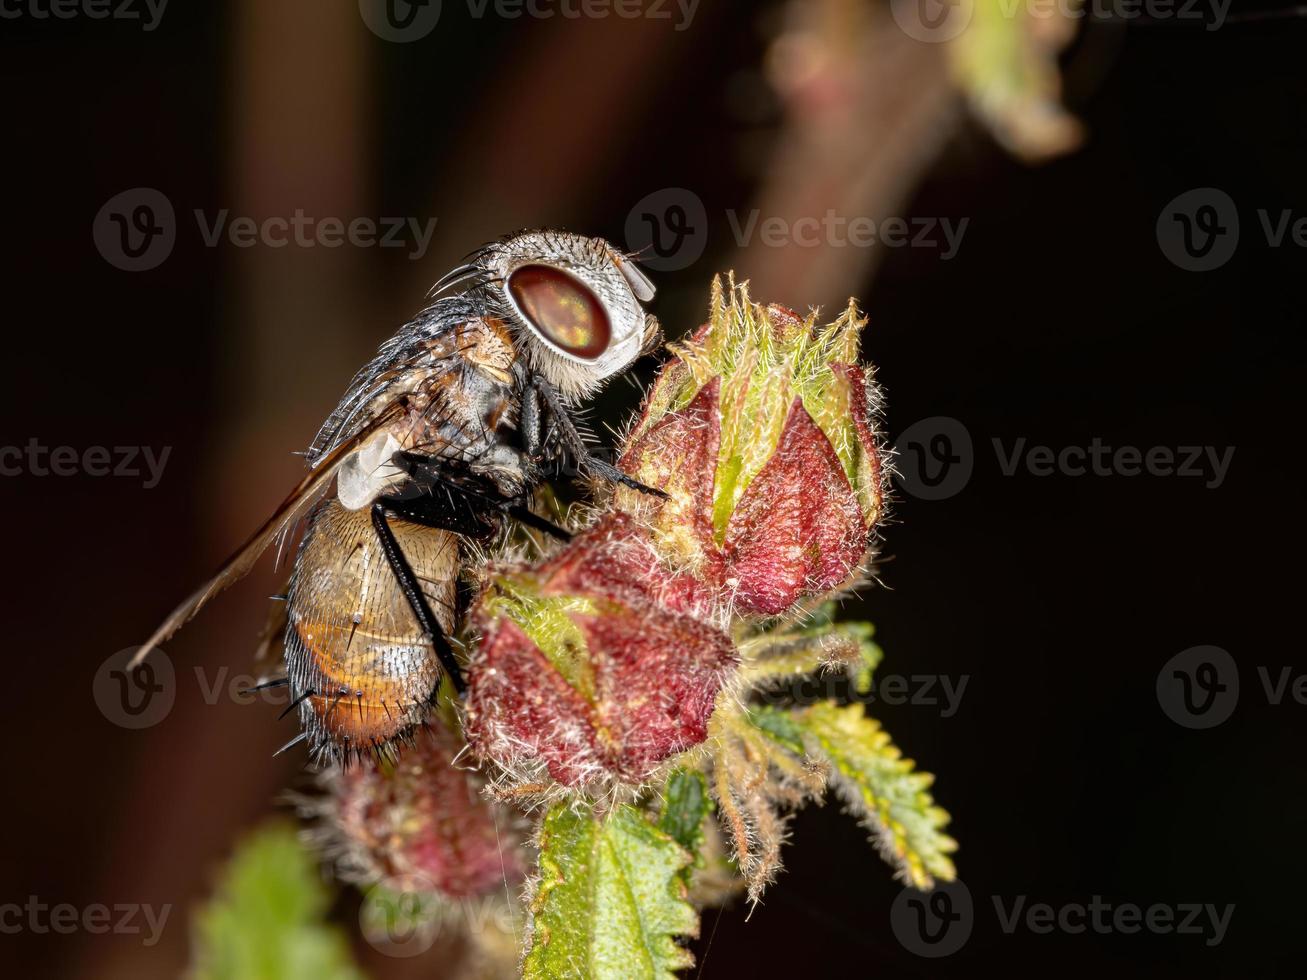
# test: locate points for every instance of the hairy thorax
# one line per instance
(462, 397)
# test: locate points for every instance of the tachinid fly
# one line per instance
(446, 431)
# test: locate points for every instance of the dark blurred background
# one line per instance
(1061, 319)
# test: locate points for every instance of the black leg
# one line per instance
(436, 501)
(408, 582)
(452, 506)
(576, 445)
(523, 515)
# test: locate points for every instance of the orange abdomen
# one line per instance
(352, 638)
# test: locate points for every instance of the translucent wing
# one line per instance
(291, 509)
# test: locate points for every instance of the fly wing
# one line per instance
(423, 348)
(292, 508)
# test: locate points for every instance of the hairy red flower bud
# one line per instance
(762, 433)
(421, 818)
(592, 665)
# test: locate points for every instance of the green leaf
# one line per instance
(1006, 62)
(882, 786)
(610, 900)
(685, 804)
(266, 920)
(781, 726)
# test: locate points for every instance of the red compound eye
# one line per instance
(562, 308)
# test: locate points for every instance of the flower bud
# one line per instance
(419, 817)
(762, 433)
(591, 665)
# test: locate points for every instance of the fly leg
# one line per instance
(587, 461)
(450, 505)
(412, 589)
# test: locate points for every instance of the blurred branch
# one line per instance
(870, 100)
(300, 82)
(866, 110)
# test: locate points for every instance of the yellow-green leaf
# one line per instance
(883, 787)
(611, 899)
(266, 920)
